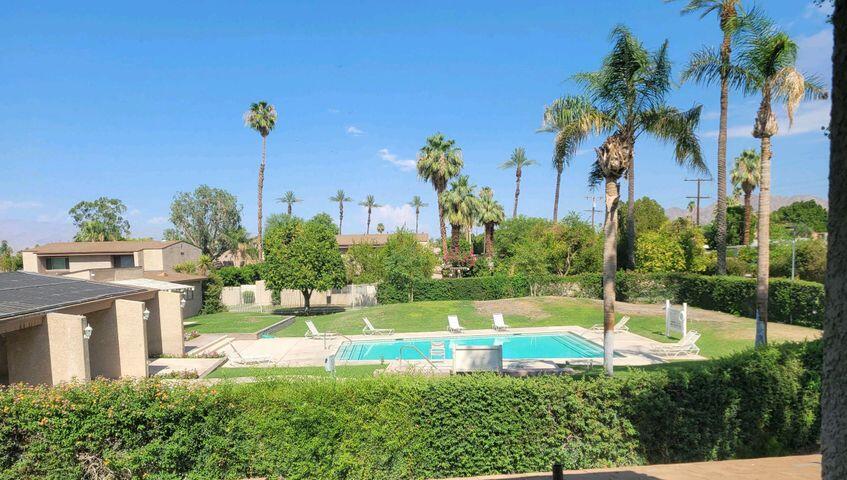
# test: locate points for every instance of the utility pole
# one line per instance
(698, 197)
(593, 208)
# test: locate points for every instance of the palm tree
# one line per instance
(418, 204)
(691, 206)
(290, 199)
(745, 178)
(561, 117)
(439, 161)
(380, 228)
(630, 90)
(768, 64)
(243, 247)
(489, 215)
(261, 117)
(340, 197)
(708, 66)
(460, 208)
(370, 203)
(518, 161)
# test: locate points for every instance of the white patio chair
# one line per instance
(236, 358)
(619, 327)
(499, 324)
(370, 330)
(453, 324)
(687, 345)
(313, 332)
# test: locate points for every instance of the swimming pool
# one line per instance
(515, 347)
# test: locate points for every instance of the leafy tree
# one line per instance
(363, 263)
(370, 203)
(518, 161)
(9, 260)
(514, 231)
(261, 117)
(418, 204)
(100, 220)
(405, 261)
(289, 199)
(341, 198)
(439, 161)
(807, 214)
(530, 260)
(692, 241)
(708, 66)
(304, 256)
(490, 213)
(745, 178)
(658, 252)
(649, 217)
(734, 227)
(573, 247)
(206, 218)
(768, 65)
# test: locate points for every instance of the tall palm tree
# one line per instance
(340, 197)
(561, 117)
(489, 215)
(691, 206)
(518, 161)
(745, 178)
(439, 161)
(630, 89)
(460, 208)
(708, 66)
(261, 117)
(418, 204)
(370, 203)
(768, 63)
(289, 199)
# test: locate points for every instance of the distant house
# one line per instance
(141, 263)
(375, 239)
(55, 329)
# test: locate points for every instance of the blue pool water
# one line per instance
(515, 347)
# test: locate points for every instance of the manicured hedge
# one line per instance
(796, 302)
(757, 403)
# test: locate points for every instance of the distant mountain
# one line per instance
(707, 212)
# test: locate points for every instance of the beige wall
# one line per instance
(118, 344)
(164, 327)
(50, 353)
(178, 253)
(194, 304)
(4, 365)
(84, 262)
(30, 262)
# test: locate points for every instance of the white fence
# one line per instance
(237, 299)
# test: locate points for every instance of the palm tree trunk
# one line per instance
(417, 217)
(289, 209)
(368, 229)
(442, 226)
(834, 391)
(517, 192)
(556, 196)
(489, 240)
(340, 215)
(610, 266)
(764, 263)
(261, 187)
(456, 236)
(720, 216)
(630, 210)
(748, 216)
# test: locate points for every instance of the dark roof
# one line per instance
(23, 293)
(89, 248)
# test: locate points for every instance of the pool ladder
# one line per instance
(418, 350)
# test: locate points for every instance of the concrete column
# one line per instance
(118, 345)
(164, 328)
(4, 366)
(50, 353)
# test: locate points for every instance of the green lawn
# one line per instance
(352, 371)
(231, 322)
(718, 338)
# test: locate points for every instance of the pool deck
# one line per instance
(634, 350)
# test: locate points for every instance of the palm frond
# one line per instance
(679, 128)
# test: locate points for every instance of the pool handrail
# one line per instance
(413, 347)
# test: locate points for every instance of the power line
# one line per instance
(593, 208)
(698, 197)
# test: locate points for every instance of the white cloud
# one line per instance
(13, 205)
(810, 117)
(404, 164)
(393, 217)
(134, 212)
(157, 220)
(354, 131)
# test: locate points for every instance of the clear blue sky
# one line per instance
(140, 101)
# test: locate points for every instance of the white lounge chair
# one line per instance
(687, 345)
(499, 324)
(236, 358)
(453, 324)
(619, 327)
(315, 334)
(370, 330)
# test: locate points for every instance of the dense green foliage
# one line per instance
(9, 260)
(401, 260)
(244, 275)
(810, 261)
(205, 218)
(805, 215)
(100, 220)
(763, 402)
(796, 302)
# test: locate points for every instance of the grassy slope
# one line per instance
(229, 322)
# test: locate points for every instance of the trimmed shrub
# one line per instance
(237, 276)
(757, 403)
(248, 297)
(471, 288)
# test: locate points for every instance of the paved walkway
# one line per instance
(803, 467)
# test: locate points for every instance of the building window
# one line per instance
(56, 263)
(189, 294)
(123, 261)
